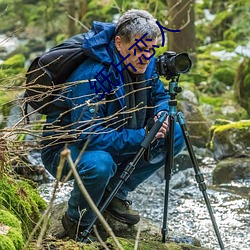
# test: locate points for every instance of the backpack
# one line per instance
(48, 73)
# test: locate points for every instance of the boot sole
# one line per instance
(121, 219)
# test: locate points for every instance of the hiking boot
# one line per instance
(121, 211)
(75, 231)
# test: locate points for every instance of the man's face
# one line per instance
(136, 58)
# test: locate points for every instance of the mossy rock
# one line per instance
(224, 75)
(128, 244)
(232, 139)
(231, 169)
(22, 200)
(150, 235)
(219, 107)
(10, 231)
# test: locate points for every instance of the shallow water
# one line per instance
(188, 215)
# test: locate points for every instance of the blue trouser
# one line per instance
(99, 171)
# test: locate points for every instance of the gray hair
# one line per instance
(136, 22)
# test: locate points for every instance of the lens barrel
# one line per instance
(171, 64)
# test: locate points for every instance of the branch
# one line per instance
(185, 5)
(77, 21)
(67, 155)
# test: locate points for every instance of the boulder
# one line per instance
(150, 235)
(232, 139)
(231, 169)
(197, 125)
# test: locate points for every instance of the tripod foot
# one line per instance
(164, 232)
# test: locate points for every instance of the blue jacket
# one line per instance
(105, 132)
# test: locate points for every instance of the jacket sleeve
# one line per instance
(88, 119)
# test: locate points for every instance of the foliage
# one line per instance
(229, 22)
(242, 84)
(221, 106)
(22, 200)
(13, 238)
(12, 68)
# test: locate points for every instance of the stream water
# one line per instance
(187, 212)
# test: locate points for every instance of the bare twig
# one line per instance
(188, 19)
(99, 238)
(79, 22)
(185, 5)
(66, 154)
(138, 236)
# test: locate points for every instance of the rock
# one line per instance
(227, 110)
(149, 238)
(181, 179)
(197, 125)
(231, 169)
(188, 95)
(232, 139)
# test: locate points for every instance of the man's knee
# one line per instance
(97, 165)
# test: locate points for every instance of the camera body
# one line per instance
(171, 65)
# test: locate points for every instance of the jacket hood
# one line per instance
(98, 43)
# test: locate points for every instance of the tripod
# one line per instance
(169, 163)
(173, 90)
(129, 169)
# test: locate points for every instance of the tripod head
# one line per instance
(174, 89)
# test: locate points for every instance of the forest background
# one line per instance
(214, 33)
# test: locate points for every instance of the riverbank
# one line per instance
(188, 215)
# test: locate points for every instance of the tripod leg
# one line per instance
(168, 173)
(129, 168)
(199, 177)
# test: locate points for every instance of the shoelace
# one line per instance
(127, 203)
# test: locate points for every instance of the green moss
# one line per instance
(238, 128)
(219, 102)
(16, 237)
(212, 100)
(224, 75)
(220, 24)
(22, 200)
(236, 125)
(9, 219)
(14, 234)
(13, 71)
(128, 244)
(6, 243)
(228, 45)
(16, 61)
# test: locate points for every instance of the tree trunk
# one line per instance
(182, 16)
(72, 13)
(83, 7)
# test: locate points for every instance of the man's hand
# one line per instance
(164, 128)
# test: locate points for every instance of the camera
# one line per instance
(171, 65)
